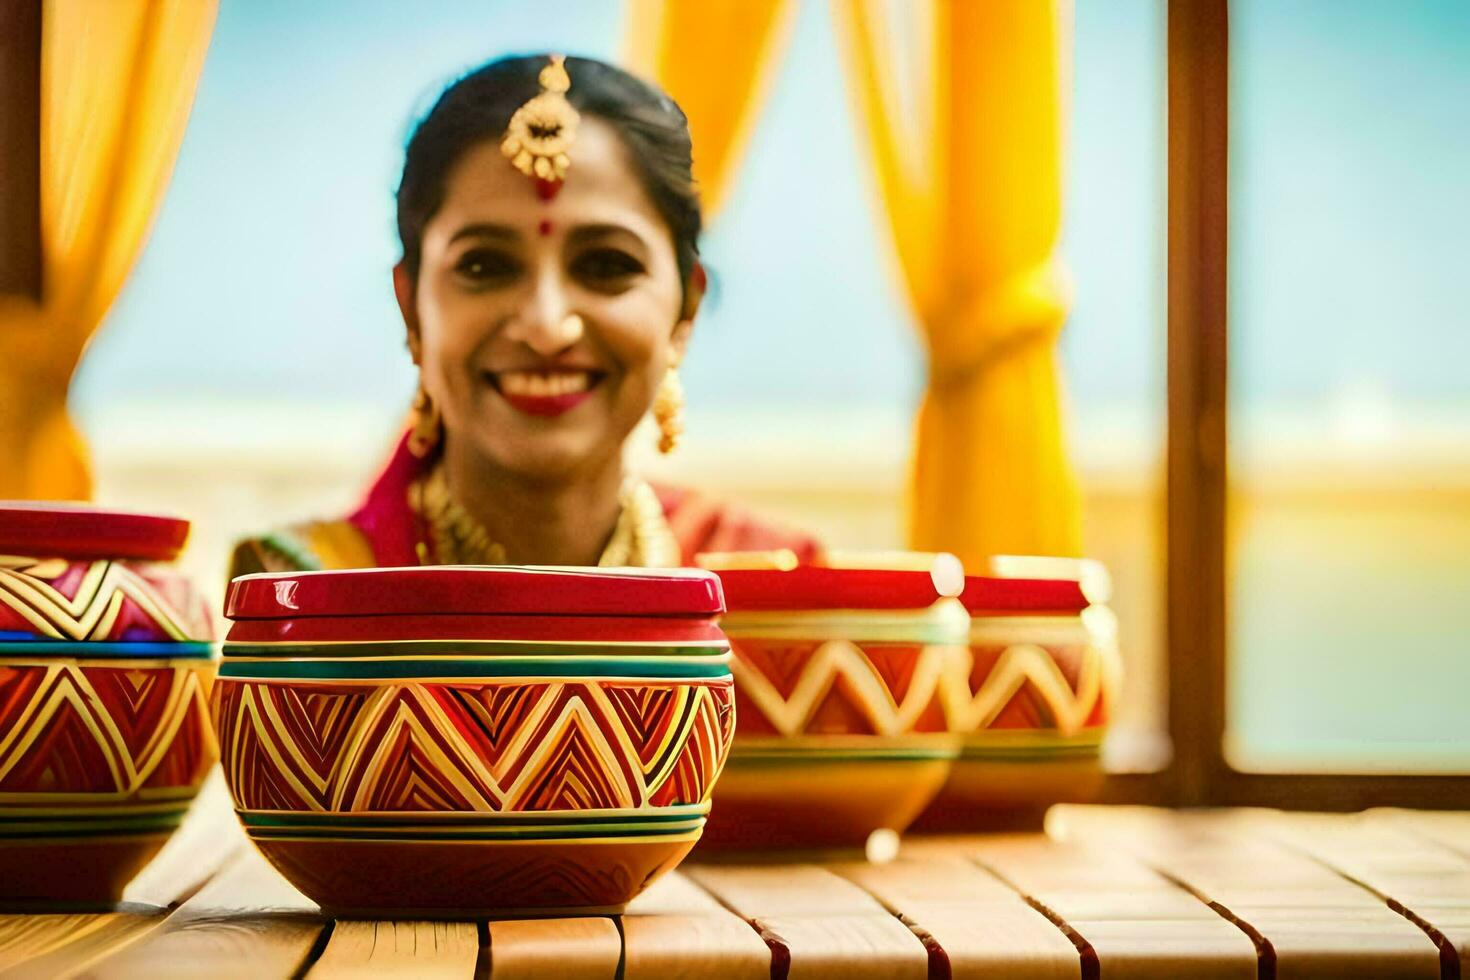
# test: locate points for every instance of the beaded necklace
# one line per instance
(640, 538)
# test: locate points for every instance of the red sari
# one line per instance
(385, 531)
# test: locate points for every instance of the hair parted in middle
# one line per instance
(479, 107)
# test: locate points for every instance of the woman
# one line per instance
(549, 284)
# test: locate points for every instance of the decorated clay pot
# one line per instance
(460, 741)
(106, 663)
(840, 728)
(1032, 696)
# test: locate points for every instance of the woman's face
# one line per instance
(543, 328)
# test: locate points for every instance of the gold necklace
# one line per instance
(641, 537)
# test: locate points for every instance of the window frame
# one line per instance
(1196, 597)
(20, 148)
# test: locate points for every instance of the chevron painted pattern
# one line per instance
(1031, 696)
(80, 737)
(1062, 684)
(66, 600)
(487, 747)
(478, 795)
(839, 687)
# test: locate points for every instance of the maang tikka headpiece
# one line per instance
(542, 130)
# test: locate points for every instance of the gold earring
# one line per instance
(424, 427)
(668, 411)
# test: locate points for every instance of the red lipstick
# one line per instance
(546, 406)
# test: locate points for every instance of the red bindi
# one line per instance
(545, 227)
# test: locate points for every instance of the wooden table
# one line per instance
(1106, 892)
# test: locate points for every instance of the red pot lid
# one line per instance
(476, 590)
(1009, 596)
(814, 587)
(70, 530)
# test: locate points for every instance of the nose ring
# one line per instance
(573, 325)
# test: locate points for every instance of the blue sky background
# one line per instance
(1350, 201)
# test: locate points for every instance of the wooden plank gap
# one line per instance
(1449, 956)
(939, 965)
(482, 962)
(1265, 952)
(1090, 963)
(780, 952)
(980, 926)
(622, 948)
(315, 951)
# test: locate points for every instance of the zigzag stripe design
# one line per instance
(73, 733)
(105, 593)
(699, 765)
(1020, 664)
(514, 747)
(864, 687)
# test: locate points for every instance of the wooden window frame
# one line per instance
(1199, 773)
(20, 148)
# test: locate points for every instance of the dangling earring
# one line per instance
(668, 411)
(424, 424)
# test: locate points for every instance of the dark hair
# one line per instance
(479, 105)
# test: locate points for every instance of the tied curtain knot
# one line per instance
(976, 330)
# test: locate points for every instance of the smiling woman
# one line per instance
(549, 284)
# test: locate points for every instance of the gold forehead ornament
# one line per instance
(542, 130)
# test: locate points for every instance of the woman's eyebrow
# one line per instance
(483, 230)
(584, 233)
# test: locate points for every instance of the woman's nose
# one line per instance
(548, 325)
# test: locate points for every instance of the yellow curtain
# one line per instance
(717, 59)
(967, 145)
(117, 82)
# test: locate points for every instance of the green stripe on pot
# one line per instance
(90, 650)
(50, 827)
(474, 819)
(597, 668)
(474, 648)
(1038, 753)
(14, 809)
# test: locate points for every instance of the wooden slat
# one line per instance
(554, 949)
(424, 950)
(1449, 830)
(1316, 922)
(677, 930)
(1429, 883)
(247, 922)
(824, 924)
(1132, 920)
(983, 927)
(61, 945)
